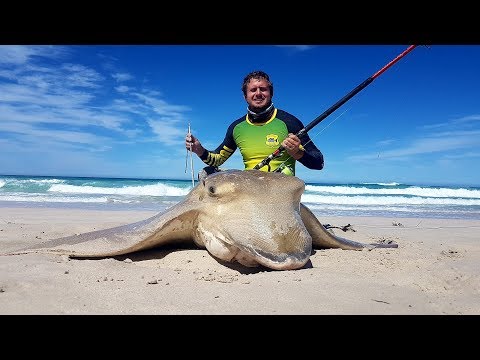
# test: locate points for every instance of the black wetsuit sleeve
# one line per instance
(226, 149)
(312, 157)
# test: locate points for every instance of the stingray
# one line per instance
(247, 216)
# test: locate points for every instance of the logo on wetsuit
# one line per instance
(272, 140)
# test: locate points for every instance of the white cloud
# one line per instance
(43, 102)
(122, 89)
(436, 142)
(297, 47)
(119, 77)
(20, 54)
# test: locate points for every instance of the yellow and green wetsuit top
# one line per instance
(257, 140)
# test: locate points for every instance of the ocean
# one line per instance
(393, 200)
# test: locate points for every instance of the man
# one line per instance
(259, 133)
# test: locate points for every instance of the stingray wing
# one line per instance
(173, 225)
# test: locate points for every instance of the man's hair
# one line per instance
(257, 74)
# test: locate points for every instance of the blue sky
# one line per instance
(123, 110)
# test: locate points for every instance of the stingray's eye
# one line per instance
(211, 190)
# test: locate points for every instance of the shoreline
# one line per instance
(433, 271)
(159, 207)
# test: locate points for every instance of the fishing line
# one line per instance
(315, 135)
(191, 159)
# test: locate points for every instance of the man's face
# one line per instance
(258, 94)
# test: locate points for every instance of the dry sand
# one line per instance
(435, 270)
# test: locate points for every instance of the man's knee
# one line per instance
(207, 170)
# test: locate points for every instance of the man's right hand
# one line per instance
(193, 144)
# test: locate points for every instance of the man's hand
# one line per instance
(193, 144)
(292, 145)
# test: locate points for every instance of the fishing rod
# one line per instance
(316, 121)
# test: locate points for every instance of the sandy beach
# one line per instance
(435, 270)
